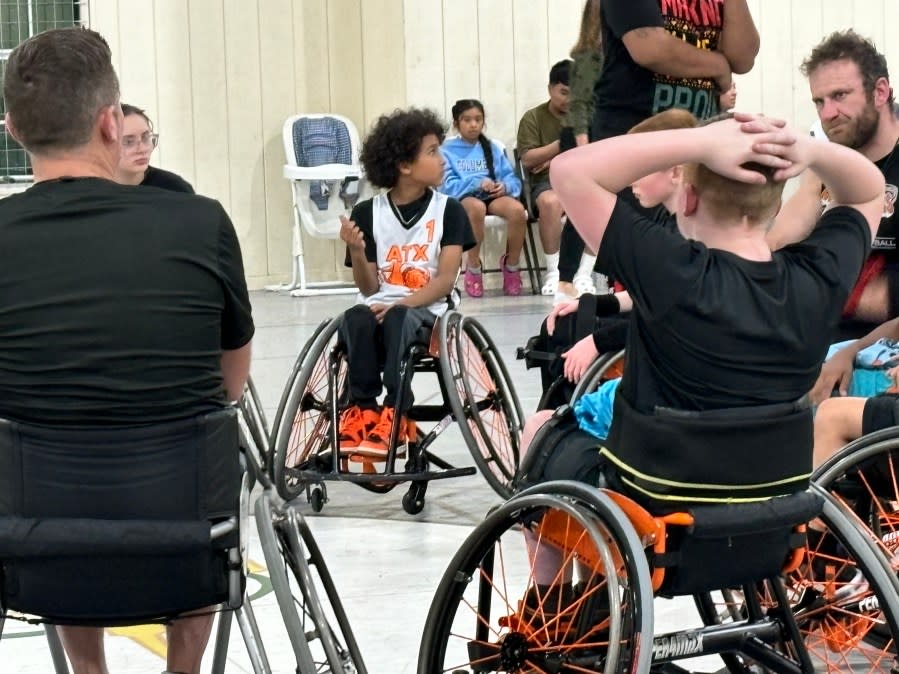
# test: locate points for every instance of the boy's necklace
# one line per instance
(404, 221)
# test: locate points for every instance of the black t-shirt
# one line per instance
(627, 93)
(456, 227)
(113, 311)
(884, 245)
(156, 177)
(711, 330)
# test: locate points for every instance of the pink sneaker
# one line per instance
(511, 279)
(474, 284)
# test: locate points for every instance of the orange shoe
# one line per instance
(355, 425)
(377, 442)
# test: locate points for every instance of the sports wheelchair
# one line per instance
(476, 389)
(864, 476)
(75, 566)
(771, 595)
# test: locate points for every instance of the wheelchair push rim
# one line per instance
(482, 398)
(843, 599)
(488, 614)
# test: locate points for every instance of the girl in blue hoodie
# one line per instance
(479, 175)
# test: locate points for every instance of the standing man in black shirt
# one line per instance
(660, 54)
(118, 307)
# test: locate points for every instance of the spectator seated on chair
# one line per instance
(579, 339)
(538, 142)
(142, 317)
(479, 175)
(138, 142)
(722, 329)
(405, 247)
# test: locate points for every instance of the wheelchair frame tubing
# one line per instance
(295, 632)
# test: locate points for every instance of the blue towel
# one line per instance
(593, 411)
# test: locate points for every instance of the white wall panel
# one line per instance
(220, 76)
(423, 32)
(278, 93)
(244, 131)
(494, 26)
(174, 100)
(209, 93)
(462, 59)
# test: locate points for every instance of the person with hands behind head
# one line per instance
(718, 320)
(404, 247)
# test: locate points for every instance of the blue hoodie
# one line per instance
(466, 168)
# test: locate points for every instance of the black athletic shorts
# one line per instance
(880, 412)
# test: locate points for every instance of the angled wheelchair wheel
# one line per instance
(304, 437)
(606, 366)
(316, 622)
(482, 398)
(865, 476)
(843, 598)
(490, 614)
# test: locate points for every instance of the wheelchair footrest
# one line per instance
(421, 476)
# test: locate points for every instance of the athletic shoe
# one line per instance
(355, 424)
(377, 443)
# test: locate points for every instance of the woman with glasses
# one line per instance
(138, 143)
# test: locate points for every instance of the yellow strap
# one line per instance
(693, 485)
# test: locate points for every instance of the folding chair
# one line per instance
(530, 244)
(531, 262)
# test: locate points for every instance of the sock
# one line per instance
(585, 268)
(552, 262)
(511, 267)
(474, 270)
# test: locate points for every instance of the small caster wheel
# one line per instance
(414, 499)
(317, 499)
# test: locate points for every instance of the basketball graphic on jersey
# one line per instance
(415, 278)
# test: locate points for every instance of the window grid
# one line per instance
(20, 19)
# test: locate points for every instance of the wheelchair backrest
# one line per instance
(108, 525)
(738, 455)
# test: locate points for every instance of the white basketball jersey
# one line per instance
(407, 258)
